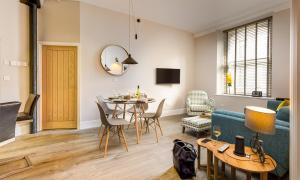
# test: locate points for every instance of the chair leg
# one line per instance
(119, 134)
(155, 131)
(99, 130)
(141, 130)
(124, 138)
(106, 143)
(159, 126)
(101, 139)
(131, 118)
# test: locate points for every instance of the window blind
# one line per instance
(248, 59)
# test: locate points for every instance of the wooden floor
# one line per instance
(75, 155)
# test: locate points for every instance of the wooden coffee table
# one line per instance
(248, 164)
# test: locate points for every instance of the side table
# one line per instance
(249, 164)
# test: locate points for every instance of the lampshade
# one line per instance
(260, 120)
(129, 60)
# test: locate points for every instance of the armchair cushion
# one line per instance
(199, 108)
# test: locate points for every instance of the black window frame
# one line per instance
(268, 92)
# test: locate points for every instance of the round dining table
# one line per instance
(136, 103)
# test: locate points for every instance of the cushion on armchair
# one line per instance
(199, 107)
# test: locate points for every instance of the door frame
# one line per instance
(39, 78)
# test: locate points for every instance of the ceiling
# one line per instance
(196, 16)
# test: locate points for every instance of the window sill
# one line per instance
(241, 96)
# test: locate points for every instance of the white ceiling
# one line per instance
(196, 16)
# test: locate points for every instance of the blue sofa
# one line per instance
(277, 145)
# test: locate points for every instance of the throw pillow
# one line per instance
(282, 104)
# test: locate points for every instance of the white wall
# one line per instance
(207, 57)
(59, 21)
(14, 47)
(158, 46)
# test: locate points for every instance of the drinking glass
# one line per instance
(217, 131)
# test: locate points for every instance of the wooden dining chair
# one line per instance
(108, 111)
(139, 110)
(114, 126)
(153, 119)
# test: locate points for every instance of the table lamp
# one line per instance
(259, 120)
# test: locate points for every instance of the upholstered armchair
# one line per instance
(198, 102)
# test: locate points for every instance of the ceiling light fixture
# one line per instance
(129, 60)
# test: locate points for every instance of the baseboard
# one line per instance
(89, 124)
(22, 128)
(173, 112)
(7, 141)
(96, 122)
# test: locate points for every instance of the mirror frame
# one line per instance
(120, 62)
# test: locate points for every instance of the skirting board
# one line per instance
(7, 141)
(96, 122)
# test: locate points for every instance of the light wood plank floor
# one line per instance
(75, 155)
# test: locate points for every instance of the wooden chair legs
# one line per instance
(159, 126)
(106, 142)
(146, 125)
(121, 135)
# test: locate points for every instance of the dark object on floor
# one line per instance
(184, 155)
(239, 146)
(8, 114)
(30, 105)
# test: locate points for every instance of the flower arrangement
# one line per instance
(228, 81)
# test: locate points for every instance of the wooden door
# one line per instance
(59, 91)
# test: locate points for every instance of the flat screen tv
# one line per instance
(167, 76)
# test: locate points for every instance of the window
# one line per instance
(248, 61)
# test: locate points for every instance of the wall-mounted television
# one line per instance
(167, 76)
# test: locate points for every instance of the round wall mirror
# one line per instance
(111, 59)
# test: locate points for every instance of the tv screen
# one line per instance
(167, 76)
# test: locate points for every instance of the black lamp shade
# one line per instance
(129, 60)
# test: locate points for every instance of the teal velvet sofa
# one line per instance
(277, 145)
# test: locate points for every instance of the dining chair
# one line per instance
(111, 125)
(108, 111)
(153, 119)
(139, 110)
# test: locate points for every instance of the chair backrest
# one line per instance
(103, 117)
(160, 108)
(197, 97)
(31, 104)
(103, 104)
(8, 116)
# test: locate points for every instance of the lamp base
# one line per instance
(256, 146)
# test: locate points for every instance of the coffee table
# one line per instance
(248, 164)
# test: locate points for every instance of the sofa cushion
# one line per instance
(198, 108)
(282, 123)
(283, 114)
(230, 113)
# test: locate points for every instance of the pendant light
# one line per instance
(129, 60)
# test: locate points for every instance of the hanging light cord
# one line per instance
(134, 16)
(129, 12)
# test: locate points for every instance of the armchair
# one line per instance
(198, 102)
